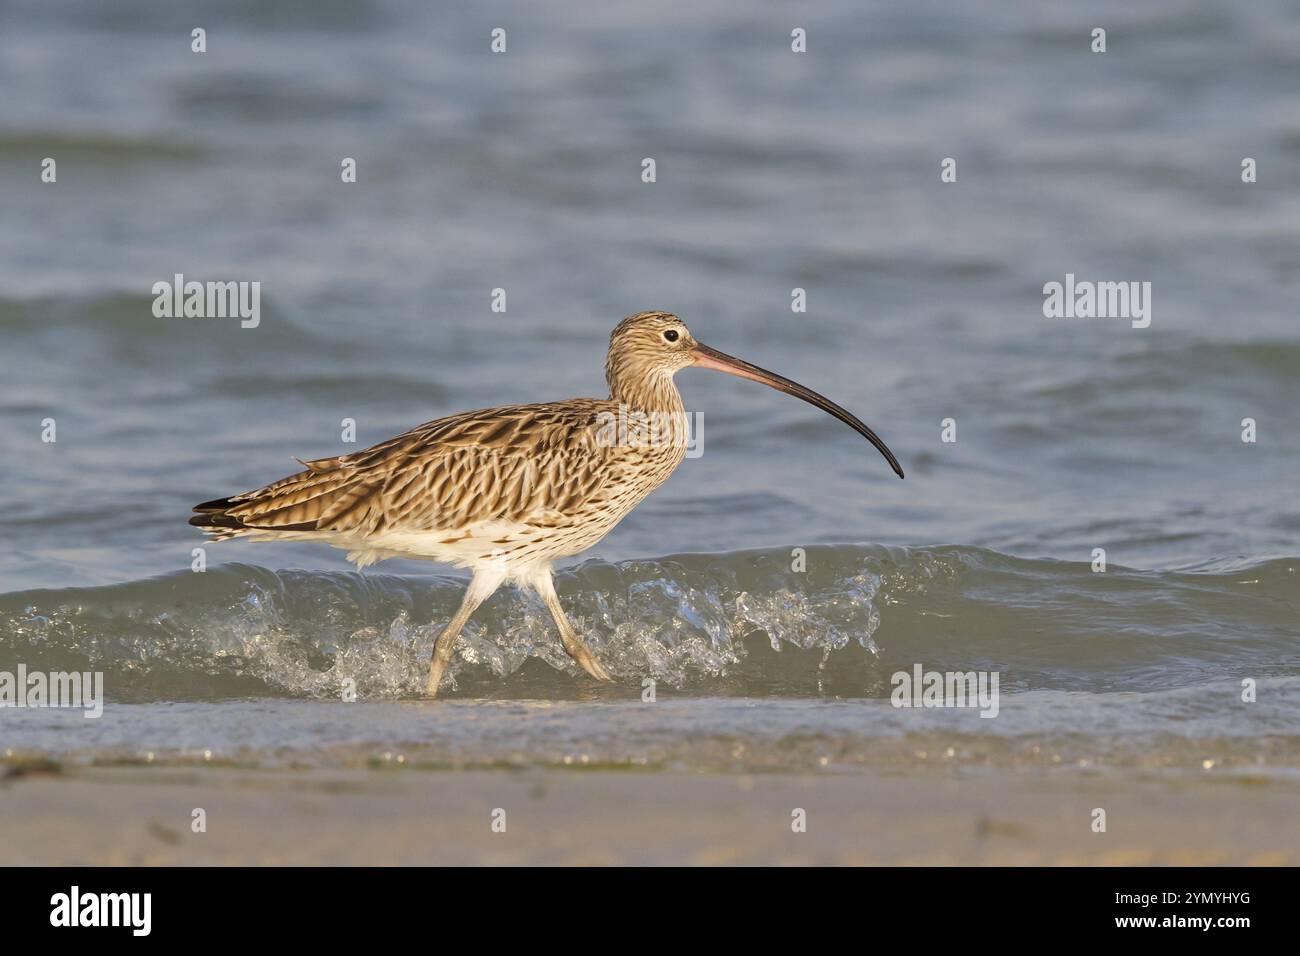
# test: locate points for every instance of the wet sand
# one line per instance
(142, 816)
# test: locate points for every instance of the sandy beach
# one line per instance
(142, 816)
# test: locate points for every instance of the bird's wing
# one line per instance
(517, 463)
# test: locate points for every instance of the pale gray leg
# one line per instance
(574, 645)
(479, 590)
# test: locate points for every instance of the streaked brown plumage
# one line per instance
(505, 491)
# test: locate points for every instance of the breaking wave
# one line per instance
(744, 623)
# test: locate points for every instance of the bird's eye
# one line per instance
(670, 335)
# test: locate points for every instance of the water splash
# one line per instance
(744, 623)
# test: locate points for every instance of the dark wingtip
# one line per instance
(213, 518)
(216, 504)
(213, 521)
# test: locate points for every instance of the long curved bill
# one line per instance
(706, 357)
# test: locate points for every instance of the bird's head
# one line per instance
(647, 349)
(649, 345)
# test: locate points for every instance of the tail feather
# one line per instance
(228, 526)
(229, 517)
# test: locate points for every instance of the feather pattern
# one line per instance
(525, 482)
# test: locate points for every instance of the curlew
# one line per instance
(506, 491)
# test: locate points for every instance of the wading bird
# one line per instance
(506, 491)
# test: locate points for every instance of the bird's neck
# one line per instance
(654, 393)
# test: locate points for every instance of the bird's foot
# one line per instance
(582, 656)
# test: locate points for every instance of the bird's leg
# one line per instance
(574, 645)
(480, 588)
